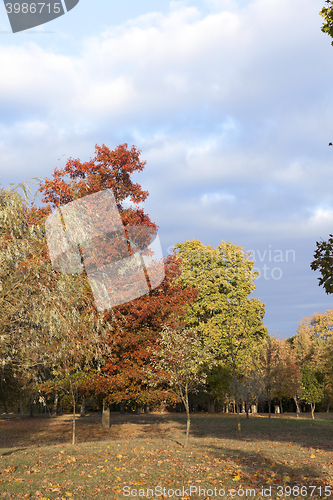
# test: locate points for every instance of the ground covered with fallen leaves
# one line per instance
(142, 456)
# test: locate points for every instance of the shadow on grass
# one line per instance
(261, 468)
(25, 431)
(15, 450)
(147, 450)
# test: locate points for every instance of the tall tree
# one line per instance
(312, 387)
(136, 323)
(20, 243)
(224, 313)
(48, 322)
(288, 377)
(244, 332)
(313, 345)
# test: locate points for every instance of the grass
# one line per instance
(145, 451)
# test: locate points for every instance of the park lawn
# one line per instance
(145, 451)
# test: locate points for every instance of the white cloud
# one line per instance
(321, 220)
(231, 106)
(163, 65)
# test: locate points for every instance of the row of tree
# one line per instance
(199, 330)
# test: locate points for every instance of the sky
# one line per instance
(230, 102)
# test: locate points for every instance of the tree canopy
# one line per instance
(327, 13)
(136, 323)
(224, 277)
(323, 262)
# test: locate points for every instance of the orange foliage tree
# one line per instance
(136, 324)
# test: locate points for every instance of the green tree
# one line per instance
(244, 332)
(218, 384)
(312, 387)
(224, 313)
(313, 345)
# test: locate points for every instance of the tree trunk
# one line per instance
(235, 379)
(73, 397)
(269, 415)
(281, 407)
(106, 420)
(55, 405)
(297, 406)
(238, 421)
(211, 405)
(73, 435)
(162, 406)
(328, 408)
(31, 405)
(313, 405)
(83, 407)
(188, 422)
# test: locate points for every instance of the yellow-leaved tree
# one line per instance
(225, 315)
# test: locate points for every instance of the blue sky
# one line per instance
(230, 102)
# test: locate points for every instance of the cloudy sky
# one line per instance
(230, 102)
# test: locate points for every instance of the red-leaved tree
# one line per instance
(135, 324)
